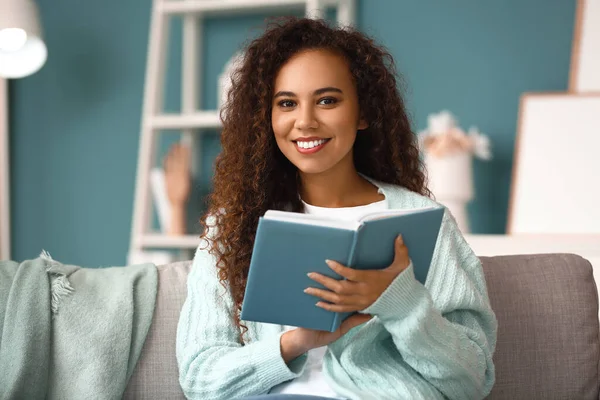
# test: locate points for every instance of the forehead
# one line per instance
(313, 69)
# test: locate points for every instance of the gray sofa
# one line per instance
(548, 334)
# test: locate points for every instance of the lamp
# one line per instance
(22, 50)
(22, 53)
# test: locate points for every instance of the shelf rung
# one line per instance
(225, 7)
(157, 240)
(200, 119)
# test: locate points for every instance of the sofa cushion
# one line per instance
(156, 375)
(548, 333)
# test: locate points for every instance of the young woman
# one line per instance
(315, 124)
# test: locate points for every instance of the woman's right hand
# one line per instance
(300, 340)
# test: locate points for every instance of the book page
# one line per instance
(308, 219)
(392, 213)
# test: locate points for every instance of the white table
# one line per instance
(587, 246)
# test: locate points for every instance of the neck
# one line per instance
(334, 189)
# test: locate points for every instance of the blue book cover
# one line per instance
(290, 245)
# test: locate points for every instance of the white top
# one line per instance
(312, 381)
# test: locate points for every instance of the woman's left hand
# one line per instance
(360, 289)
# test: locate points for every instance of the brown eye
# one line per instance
(327, 101)
(286, 103)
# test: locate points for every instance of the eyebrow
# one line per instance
(315, 93)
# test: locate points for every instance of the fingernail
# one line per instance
(329, 262)
(400, 240)
(310, 274)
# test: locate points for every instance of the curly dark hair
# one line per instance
(253, 176)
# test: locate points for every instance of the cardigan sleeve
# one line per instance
(213, 363)
(446, 332)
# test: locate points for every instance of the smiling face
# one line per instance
(315, 113)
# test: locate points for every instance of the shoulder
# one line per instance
(401, 197)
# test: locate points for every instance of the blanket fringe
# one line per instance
(59, 283)
(44, 255)
(60, 287)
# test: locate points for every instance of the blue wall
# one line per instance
(75, 124)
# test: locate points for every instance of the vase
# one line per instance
(450, 180)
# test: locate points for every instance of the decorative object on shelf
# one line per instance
(22, 53)
(448, 155)
(225, 78)
(177, 184)
(171, 189)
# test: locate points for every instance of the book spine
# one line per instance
(335, 324)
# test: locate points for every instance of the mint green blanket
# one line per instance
(71, 333)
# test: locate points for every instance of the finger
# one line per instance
(400, 253)
(338, 286)
(348, 273)
(331, 296)
(340, 308)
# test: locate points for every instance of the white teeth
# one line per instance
(311, 144)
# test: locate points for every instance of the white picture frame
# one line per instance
(585, 56)
(556, 170)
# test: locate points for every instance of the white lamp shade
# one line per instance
(22, 48)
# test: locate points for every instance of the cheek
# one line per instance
(341, 118)
(343, 125)
(276, 124)
(282, 126)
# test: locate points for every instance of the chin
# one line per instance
(311, 168)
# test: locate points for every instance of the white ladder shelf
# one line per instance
(191, 121)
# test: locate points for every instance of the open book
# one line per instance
(290, 245)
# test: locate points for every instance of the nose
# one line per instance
(306, 119)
